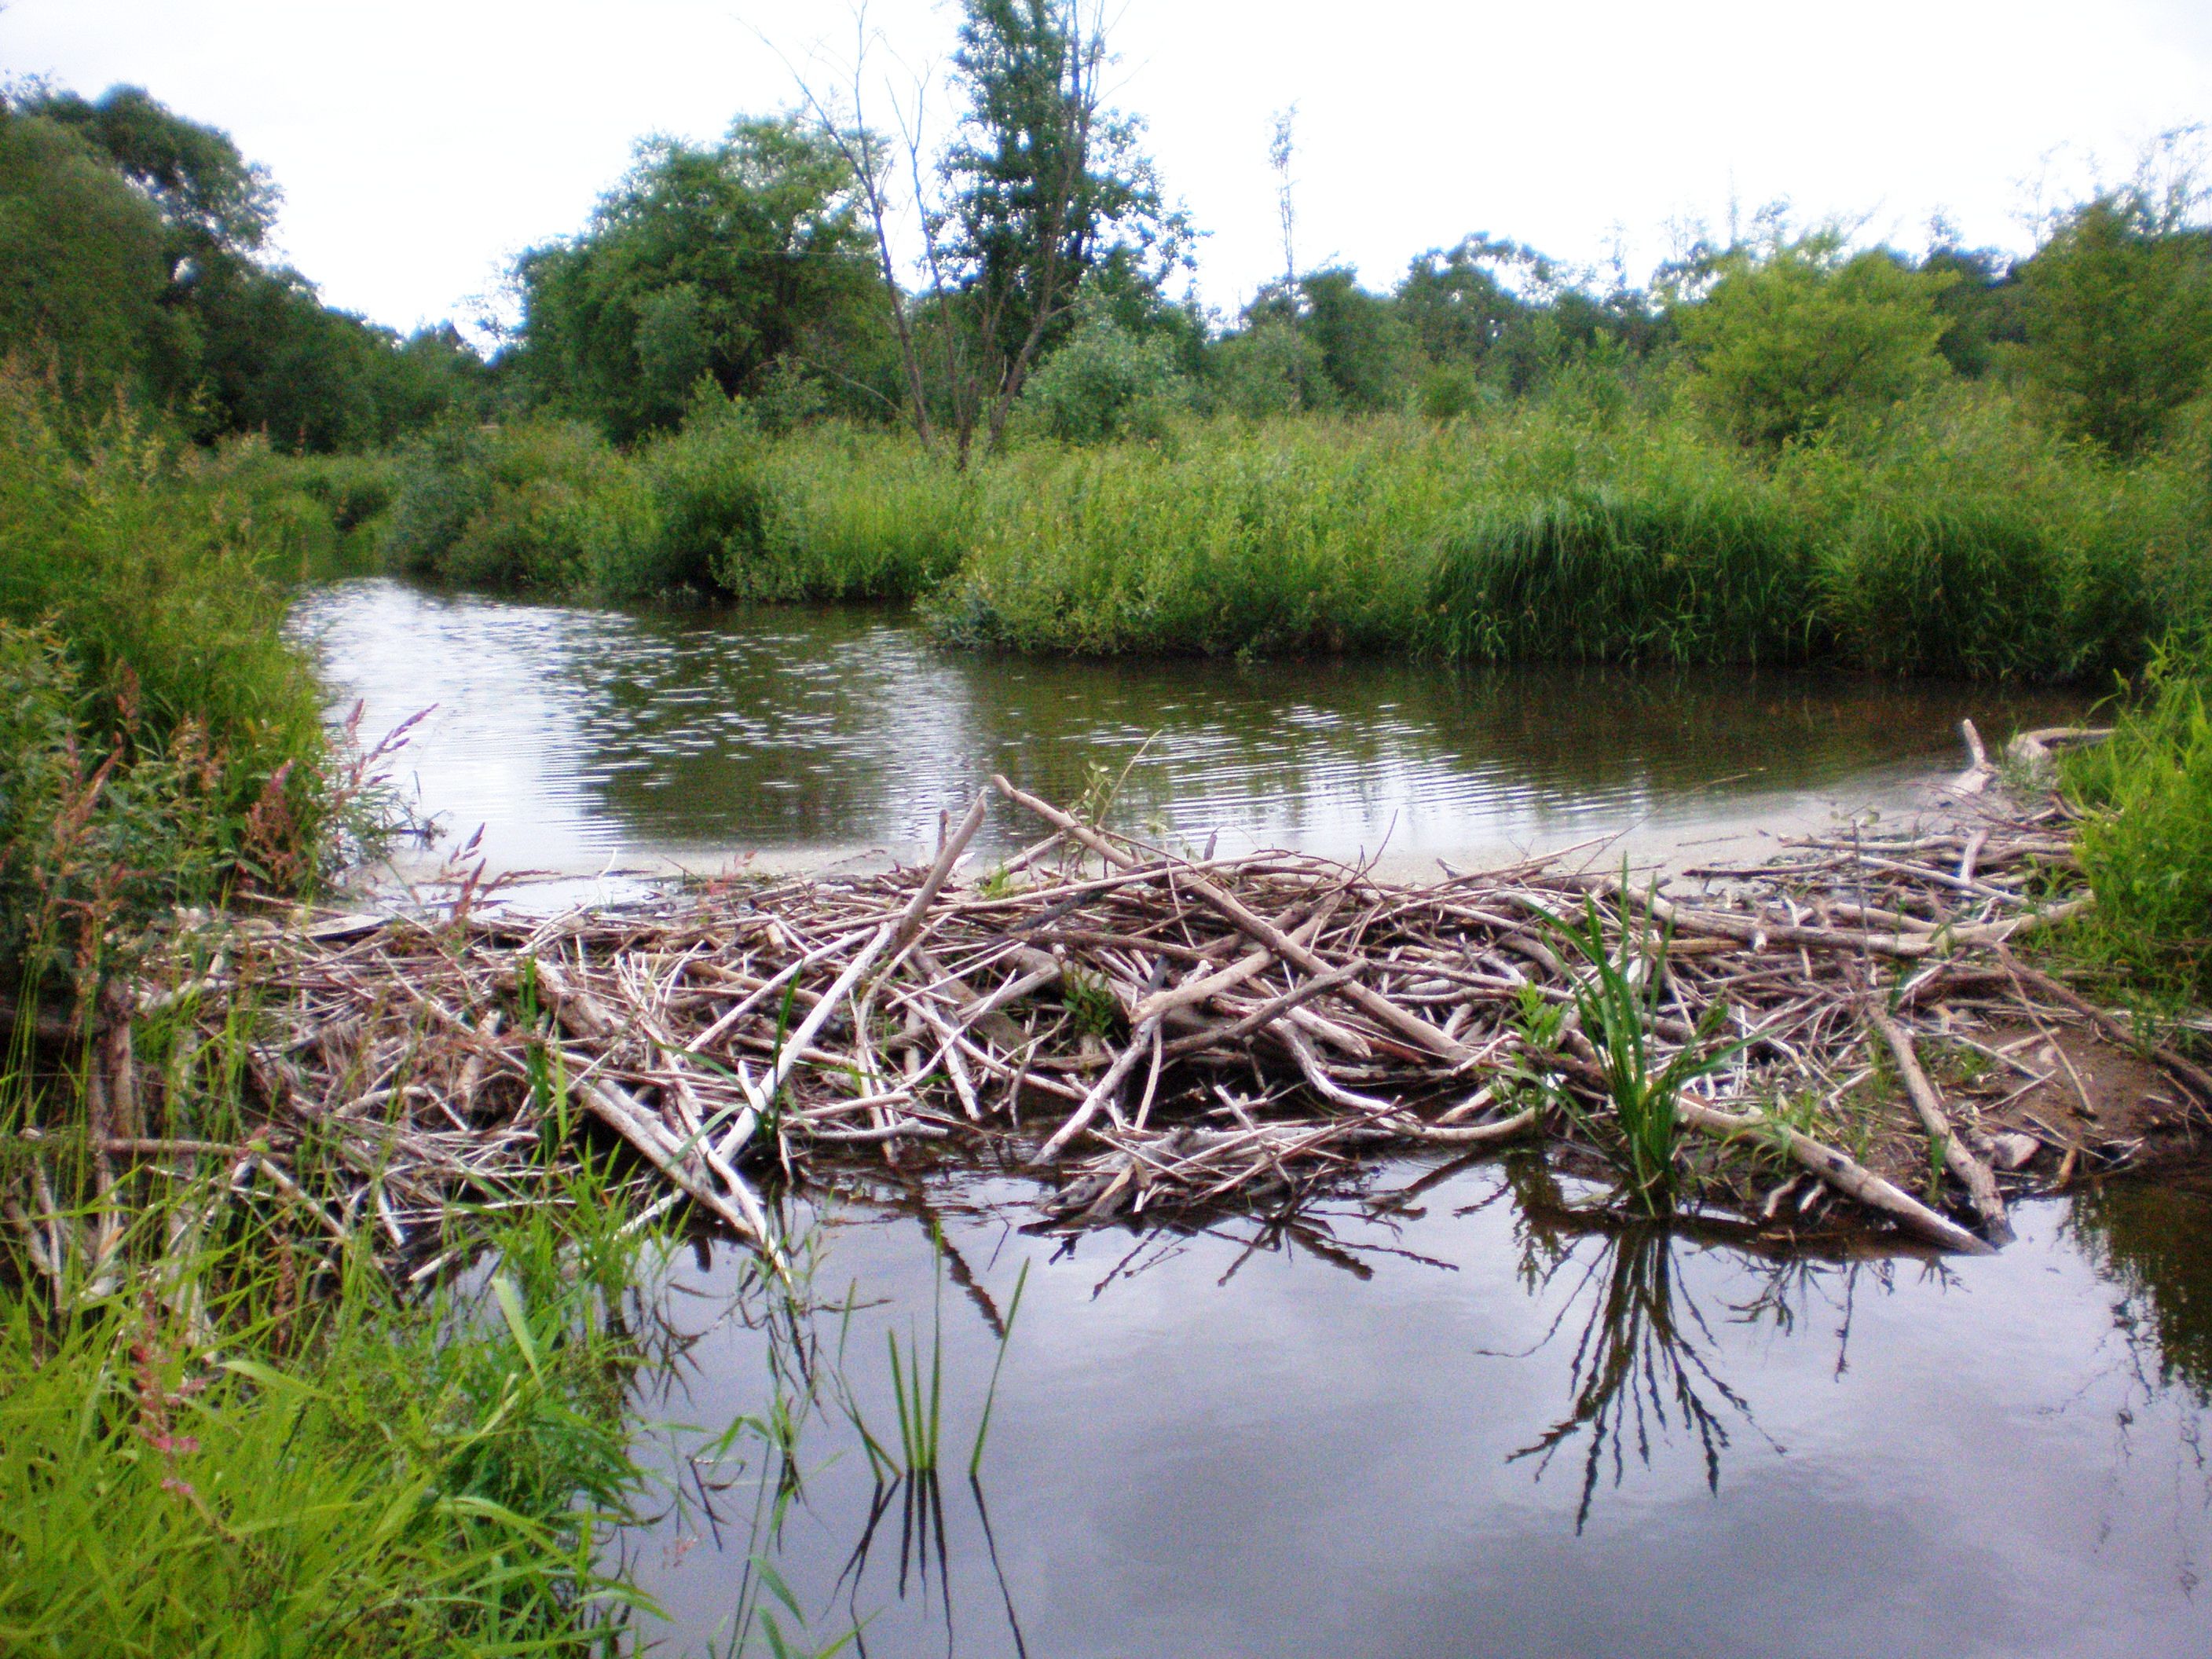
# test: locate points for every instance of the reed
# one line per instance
(1618, 1002)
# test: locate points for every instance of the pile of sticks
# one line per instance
(1147, 1033)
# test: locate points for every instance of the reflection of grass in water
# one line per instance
(1643, 1363)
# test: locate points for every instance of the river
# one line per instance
(1453, 1408)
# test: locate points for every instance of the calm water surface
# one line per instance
(578, 737)
(1462, 1419)
(1458, 1414)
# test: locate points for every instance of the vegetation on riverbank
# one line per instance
(2147, 843)
(1956, 536)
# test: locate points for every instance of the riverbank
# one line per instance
(1954, 537)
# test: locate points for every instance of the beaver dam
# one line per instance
(1845, 1037)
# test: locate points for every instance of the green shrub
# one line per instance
(157, 582)
(1788, 342)
(1105, 383)
(2146, 844)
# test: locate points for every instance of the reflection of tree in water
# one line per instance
(2154, 1243)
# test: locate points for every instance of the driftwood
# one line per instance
(1147, 1033)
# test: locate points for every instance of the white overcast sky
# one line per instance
(421, 143)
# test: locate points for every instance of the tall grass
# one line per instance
(215, 1459)
(160, 739)
(1954, 537)
(2147, 842)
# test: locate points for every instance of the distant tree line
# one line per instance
(133, 256)
(767, 266)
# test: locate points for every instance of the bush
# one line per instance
(156, 580)
(1107, 382)
(1786, 345)
(2118, 305)
(2147, 845)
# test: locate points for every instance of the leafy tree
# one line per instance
(1367, 350)
(82, 271)
(131, 238)
(1785, 344)
(1047, 187)
(2119, 313)
(210, 196)
(1455, 301)
(720, 262)
(1271, 368)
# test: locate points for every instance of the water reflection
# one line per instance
(1312, 1432)
(575, 735)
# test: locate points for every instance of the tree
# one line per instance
(129, 242)
(82, 271)
(1046, 185)
(1785, 344)
(210, 197)
(1042, 193)
(2117, 305)
(722, 261)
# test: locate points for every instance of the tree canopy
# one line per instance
(722, 261)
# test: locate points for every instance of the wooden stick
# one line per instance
(1981, 1186)
(1844, 1173)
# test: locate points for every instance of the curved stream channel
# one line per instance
(1456, 1412)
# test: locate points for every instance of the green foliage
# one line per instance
(1271, 368)
(832, 513)
(1701, 566)
(134, 237)
(152, 575)
(1618, 1001)
(99, 831)
(359, 1476)
(1962, 587)
(726, 262)
(1368, 351)
(2118, 307)
(158, 738)
(83, 252)
(1047, 185)
(1785, 345)
(2146, 844)
(1107, 382)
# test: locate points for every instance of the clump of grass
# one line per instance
(2146, 841)
(213, 1460)
(1718, 571)
(1617, 1002)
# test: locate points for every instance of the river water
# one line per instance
(1460, 1411)
(580, 738)
(1463, 1415)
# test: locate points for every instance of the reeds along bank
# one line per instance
(1960, 537)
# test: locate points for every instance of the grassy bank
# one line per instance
(222, 1441)
(160, 741)
(1955, 536)
(2147, 842)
